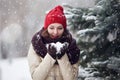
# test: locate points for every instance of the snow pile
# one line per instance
(88, 18)
(58, 46)
(87, 72)
(112, 35)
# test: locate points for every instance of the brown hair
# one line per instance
(44, 33)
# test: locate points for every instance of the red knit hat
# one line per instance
(56, 15)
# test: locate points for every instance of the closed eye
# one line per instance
(60, 28)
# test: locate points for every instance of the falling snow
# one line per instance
(20, 19)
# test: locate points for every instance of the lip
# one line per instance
(54, 37)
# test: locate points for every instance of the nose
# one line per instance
(55, 31)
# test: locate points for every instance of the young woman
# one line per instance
(43, 61)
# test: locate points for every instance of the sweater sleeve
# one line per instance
(69, 72)
(39, 68)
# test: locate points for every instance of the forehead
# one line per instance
(56, 24)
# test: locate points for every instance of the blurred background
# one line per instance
(19, 20)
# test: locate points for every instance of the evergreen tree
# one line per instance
(98, 36)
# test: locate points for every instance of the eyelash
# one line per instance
(58, 28)
(51, 28)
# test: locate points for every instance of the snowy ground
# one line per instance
(16, 69)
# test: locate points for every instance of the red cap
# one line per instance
(56, 15)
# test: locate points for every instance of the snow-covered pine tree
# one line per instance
(98, 36)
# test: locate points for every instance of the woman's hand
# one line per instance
(52, 51)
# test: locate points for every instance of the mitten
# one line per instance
(52, 51)
(63, 50)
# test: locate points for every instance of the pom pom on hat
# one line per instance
(56, 15)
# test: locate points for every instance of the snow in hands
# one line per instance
(58, 46)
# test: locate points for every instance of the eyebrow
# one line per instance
(57, 26)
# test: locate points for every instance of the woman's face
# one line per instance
(55, 30)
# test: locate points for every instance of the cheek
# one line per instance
(61, 32)
(50, 31)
